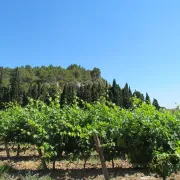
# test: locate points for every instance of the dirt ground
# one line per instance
(28, 162)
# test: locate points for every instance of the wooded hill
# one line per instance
(17, 84)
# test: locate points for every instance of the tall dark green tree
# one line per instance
(156, 104)
(127, 102)
(95, 92)
(4, 90)
(87, 93)
(24, 99)
(115, 94)
(130, 92)
(53, 91)
(68, 94)
(1, 88)
(147, 99)
(16, 93)
(35, 91)
(138, 95)
(106, 90)
(44, 92)
(1, 85)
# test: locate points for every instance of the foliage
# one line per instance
(146, 135)
(18, 84)
(165, 164)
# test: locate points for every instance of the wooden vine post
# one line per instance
(101, 156)
(7, 150)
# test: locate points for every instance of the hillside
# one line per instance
(17, 84)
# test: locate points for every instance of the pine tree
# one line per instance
(147, 99)
(95, 73)
(156, 104)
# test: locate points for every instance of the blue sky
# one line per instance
(132, 41)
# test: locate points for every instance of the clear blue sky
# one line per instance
(134, 41)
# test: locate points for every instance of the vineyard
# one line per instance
(145, 137)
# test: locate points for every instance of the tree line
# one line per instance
(20, 83)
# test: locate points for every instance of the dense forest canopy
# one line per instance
(17, 84)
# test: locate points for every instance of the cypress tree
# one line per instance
(25, 99)
(106, 91)
(111, 91)
(115, 94)
(147, 99)
(1, 88)
(156, 104)
(68, 94)
(100, 89)
(95, 92)
(138, 95)
(80, 92)
(71, 94)
(34, 91)
(87, 96)
(63, 96)
(15, 88)
(130, 92)
(126, 97)
(44, 94)
(53, 91)
(85, 93)
(6, 94)
(1, 85)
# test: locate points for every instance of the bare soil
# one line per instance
(29, 162)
